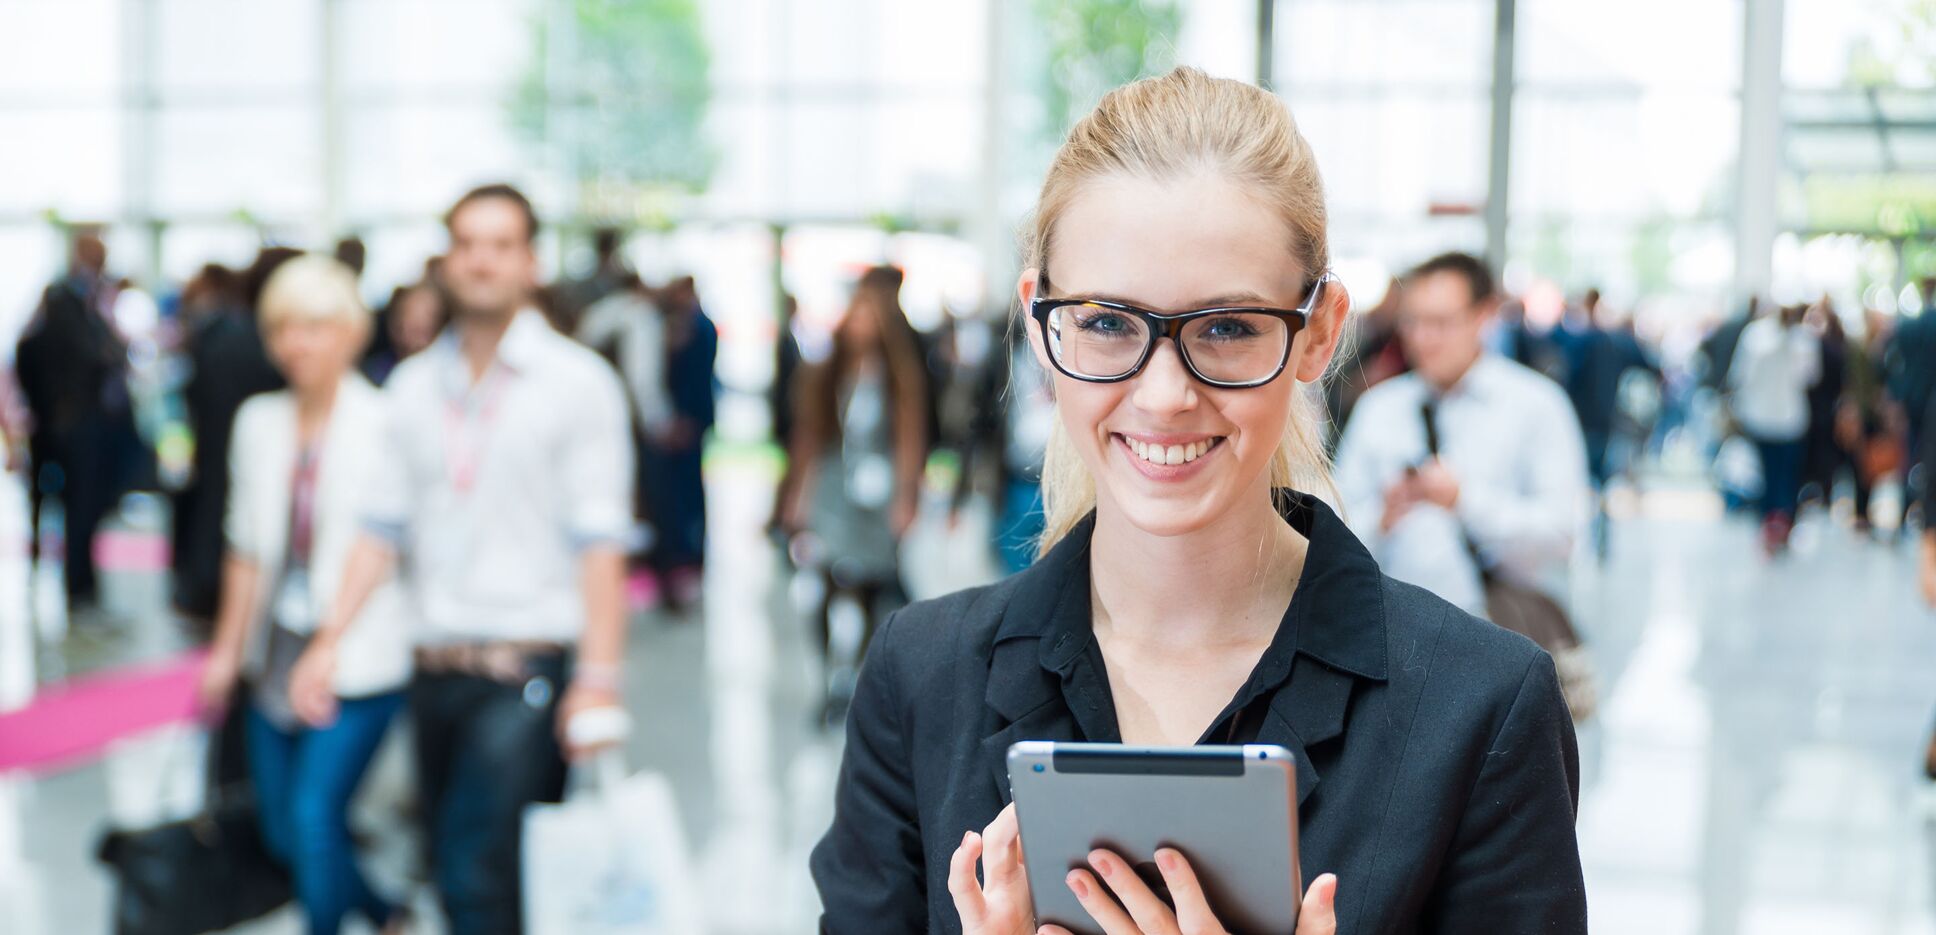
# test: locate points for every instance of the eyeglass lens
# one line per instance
(1228, 347)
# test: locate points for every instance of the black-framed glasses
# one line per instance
(1231, 348)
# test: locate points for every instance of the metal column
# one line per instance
(1499, 161)
(1755, 222)
(331, 220)
(1266, 43)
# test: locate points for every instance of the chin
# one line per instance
(1168, 513)
(1166, 518)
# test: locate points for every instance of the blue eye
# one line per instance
(1228, 329)
(1106, 323)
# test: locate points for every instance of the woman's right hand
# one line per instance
(999, 903)
(219, 675)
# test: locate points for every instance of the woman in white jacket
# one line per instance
(300, 459)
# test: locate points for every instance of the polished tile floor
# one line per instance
(1754, 769)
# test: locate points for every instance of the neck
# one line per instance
(478, 336)
(1227, 583)
(313, 404)
(1442, 388)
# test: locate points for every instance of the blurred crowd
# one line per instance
(1476, 441)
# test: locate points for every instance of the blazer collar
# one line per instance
(1336, 621)
(1338, 610)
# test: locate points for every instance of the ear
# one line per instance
(1025, 291)
(1322, 333)
(1489, 307)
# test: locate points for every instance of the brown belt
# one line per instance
(507, 661)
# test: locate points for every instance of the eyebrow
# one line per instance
(1222, 301)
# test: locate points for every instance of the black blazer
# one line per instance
(1437, 769)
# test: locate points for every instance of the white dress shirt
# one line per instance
(1772, 371)
(1511, 438)
(633, 326)
(497, 484)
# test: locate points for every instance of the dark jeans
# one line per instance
(303, 784)
(1781, 477)
(485, 750)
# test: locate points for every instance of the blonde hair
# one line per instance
(312, 287)
(1163, 127)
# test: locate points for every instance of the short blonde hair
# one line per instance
(1162, 127)
(312, 287)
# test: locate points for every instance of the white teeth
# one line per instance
(1169, 454)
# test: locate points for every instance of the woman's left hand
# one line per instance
(312, 683)
(1142, 913)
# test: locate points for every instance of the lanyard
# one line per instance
(302, 501)
(465, 434)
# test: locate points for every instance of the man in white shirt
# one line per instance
(1502, 471)
(1775, 362)
(508, 502)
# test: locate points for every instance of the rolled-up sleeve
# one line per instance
(385, 491)
(598, 465)
(1515, 860)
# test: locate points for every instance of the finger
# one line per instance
(1002, 858)
(1095, 901)
(961, 882)
(316, 706)
(1318, 915)
(1151, 915)
(1052, 930)
(561, 728)
(1193, 915)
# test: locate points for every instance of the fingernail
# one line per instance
(1166, 859)
(967, 836)
(1078, 887)
(1101, 863)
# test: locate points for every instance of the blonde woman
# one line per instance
(301, 459)
(1193, 587)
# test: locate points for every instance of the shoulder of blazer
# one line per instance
(263, 406)
(931, 637)
(260, 413)
(358, 397)
(1455, 654)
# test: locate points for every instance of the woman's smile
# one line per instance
(1168, 458)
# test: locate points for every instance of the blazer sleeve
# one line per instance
(869, 867)
(239, 523)
(1515, 859)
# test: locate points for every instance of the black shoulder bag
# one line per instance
(202, 874)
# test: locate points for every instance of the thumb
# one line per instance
(1318, 915)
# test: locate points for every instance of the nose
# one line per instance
(1165, 385)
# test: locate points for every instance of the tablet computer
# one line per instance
(1231, 811)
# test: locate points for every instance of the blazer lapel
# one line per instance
(1305, 713)
(1028, 701)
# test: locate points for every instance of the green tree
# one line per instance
(616, 91)
(1095, 45)
(1652, 254)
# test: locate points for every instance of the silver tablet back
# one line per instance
(1232, 811)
